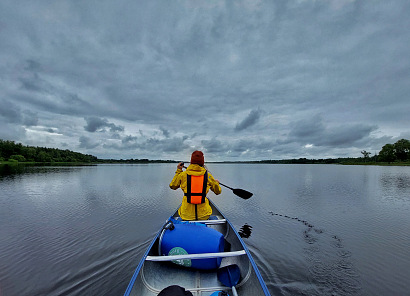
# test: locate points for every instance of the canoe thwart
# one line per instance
(209, 222)
(196, 256)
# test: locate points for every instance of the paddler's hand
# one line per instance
(217, 180)
(180, 166)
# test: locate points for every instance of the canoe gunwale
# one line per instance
(142, 261)
(221, 220)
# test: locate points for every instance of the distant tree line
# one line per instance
(304, 160)
(131, 161)
(16, 152)
(398, 152)
(11, 151)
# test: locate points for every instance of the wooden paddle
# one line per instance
(229, 276)
(239, 192)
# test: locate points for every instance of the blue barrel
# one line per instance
(219, 293)
(193, 239)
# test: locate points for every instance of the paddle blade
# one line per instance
(229, 275)
(242, 193)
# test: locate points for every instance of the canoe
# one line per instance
(155, 271)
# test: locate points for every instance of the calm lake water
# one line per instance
(312, 229)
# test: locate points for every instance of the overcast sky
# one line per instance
(239, 80)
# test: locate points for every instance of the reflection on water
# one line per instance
(245, 231)
(77, 230)
(15, 169)
(11, 169)
(316, 229)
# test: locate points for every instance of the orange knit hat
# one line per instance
(197, 157)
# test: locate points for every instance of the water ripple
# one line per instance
(328, 262)
(107, 263)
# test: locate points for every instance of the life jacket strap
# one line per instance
(196, 192)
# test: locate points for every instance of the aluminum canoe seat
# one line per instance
(196, 256)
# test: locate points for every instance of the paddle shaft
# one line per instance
(239, 192)
(234, 291)
(233, 284)
(226, 186)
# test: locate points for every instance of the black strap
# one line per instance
(203, 193)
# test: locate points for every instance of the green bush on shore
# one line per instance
(11, 151)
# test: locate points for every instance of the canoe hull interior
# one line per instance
(153, 276)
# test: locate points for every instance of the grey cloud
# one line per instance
(175, 144)
(249, 120)
(30, 118)
(213, 146)
(30, 79)
(257, 148)
(164, 131)
(32, 65)
(95, 123)
(87, 143)
(129, 139)
(309, 128)
(314, 131)
(31, 84)
(242, 145)
(116, 136)
(345, 136)
(115, 128)
(46, 87)
(185, 66)
(12, 132)
(10, 111)
(99, 124)
(154, 145)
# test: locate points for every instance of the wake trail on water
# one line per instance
(116, 262)
(331, 272)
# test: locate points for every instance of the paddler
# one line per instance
(195, 181)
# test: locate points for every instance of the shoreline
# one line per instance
(216, 162)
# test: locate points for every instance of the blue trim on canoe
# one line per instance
(255, 267)
(248, 253)
(136, 272)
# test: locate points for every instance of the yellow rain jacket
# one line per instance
(187, 210)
